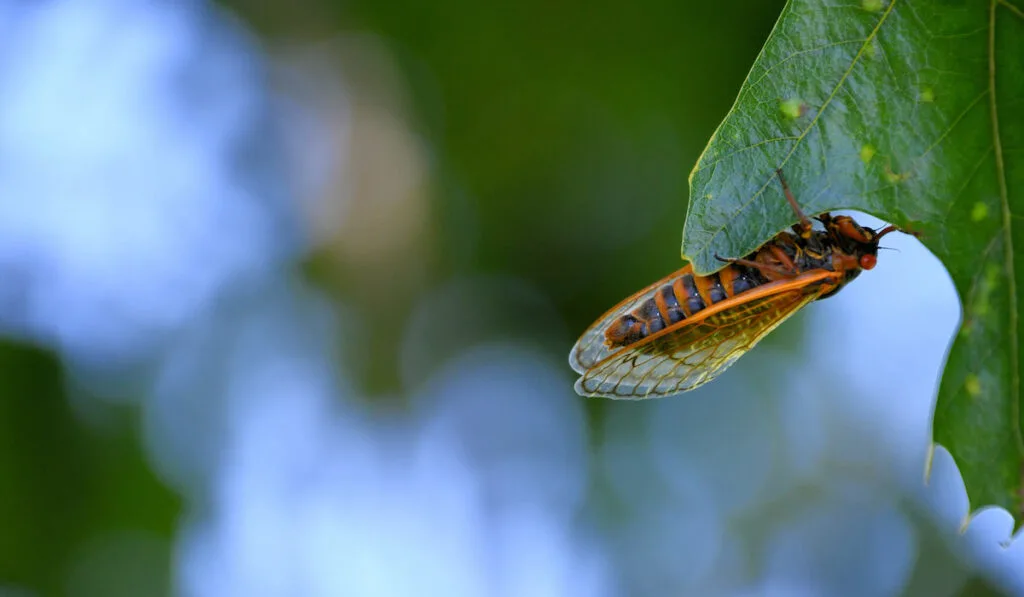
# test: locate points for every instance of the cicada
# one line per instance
(684, 330)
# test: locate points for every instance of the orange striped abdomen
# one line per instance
(682, 298)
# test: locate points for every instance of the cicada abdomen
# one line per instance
(683, 297)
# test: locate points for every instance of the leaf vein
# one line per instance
(967, 181)
(955, 122)
(969, 299)
(768, 70)
(1012, 8)
(1007, 231)
(743, 149)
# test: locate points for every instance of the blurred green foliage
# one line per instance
(64, 484)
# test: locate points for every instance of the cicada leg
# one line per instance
(804, 227)
(761, 266)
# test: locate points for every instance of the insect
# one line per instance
(685, 330)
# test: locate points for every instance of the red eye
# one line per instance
(868, 261)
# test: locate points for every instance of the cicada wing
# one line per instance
(590, 349)
(696, 350)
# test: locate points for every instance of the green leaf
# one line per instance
(913, 111)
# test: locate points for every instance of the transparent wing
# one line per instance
(590, 348)
(695, 351)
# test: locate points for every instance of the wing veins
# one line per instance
(784, 297)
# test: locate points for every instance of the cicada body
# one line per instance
(684, 330)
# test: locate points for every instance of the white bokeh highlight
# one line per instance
(315, 499)
(124, 213)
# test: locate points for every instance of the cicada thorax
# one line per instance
(788, 255)
(683, 297)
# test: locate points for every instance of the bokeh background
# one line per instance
(288, 291)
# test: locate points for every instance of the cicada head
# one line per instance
(855, 247)
(856, 241)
